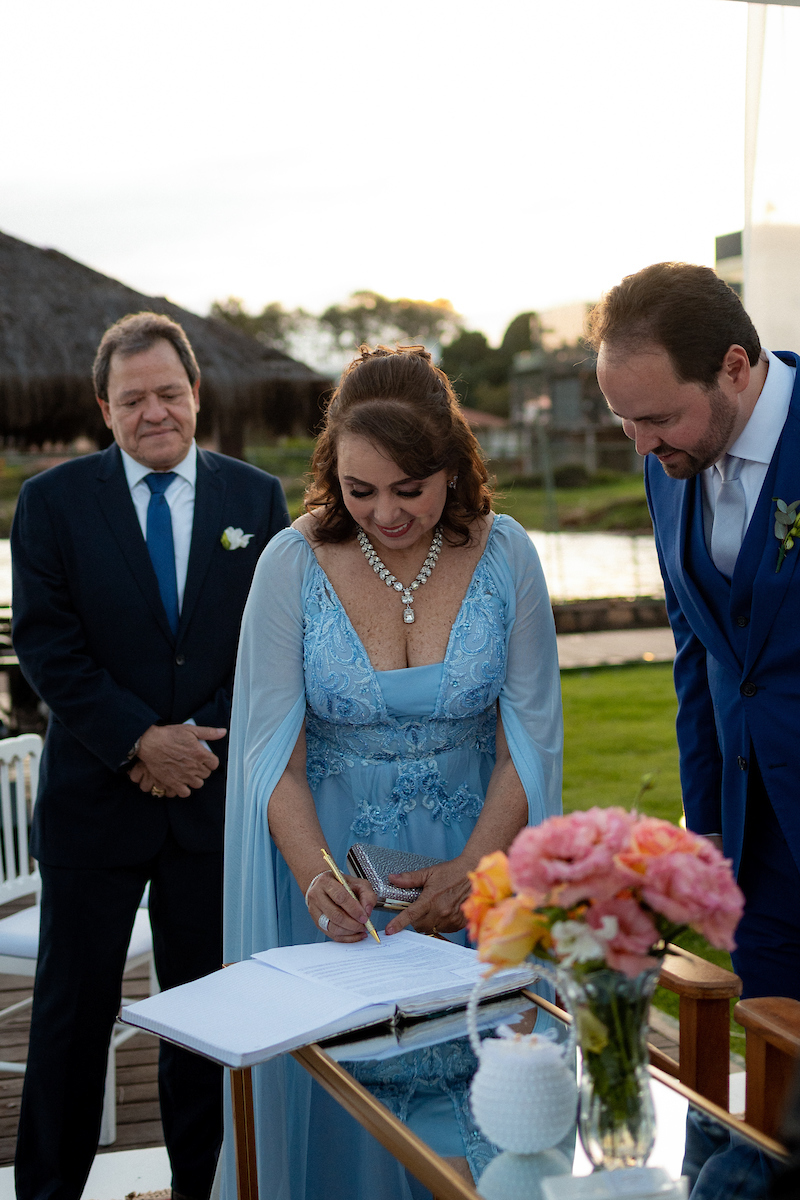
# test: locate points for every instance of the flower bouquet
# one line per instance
(600, 894)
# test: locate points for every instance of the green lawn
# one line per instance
(617, 503)
(617, 506)
(619, 724)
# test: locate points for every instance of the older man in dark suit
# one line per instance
(131, 570)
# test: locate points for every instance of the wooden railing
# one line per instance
(772, 1026)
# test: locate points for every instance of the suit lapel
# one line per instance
(116, 505)
(783, 480)
(209, 504)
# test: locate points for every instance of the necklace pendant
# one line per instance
(406, 593)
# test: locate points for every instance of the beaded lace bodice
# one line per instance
(342, 686)
(347, 719)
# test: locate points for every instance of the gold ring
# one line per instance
(157, 791)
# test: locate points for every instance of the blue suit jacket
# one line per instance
(93, 639)
(737, 667)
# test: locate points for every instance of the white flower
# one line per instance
(235, 539)
(575, 941)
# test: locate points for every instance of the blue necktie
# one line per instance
(160, 544)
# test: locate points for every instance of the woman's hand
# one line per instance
(438, 909)
(347, 916)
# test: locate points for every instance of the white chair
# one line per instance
(19, 933)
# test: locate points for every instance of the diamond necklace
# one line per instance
(383, 572)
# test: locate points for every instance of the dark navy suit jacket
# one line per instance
(93, 639)
(737, 667)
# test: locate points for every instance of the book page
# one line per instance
(247, 1013)
(405, 967)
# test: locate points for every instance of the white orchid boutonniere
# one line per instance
(235, 539)
(787, 527)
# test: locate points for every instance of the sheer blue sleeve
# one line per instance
(268, 711)
(530, 700)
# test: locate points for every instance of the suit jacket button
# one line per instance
(742, 621)
(179, 660)
(748, 689)
(742, 763)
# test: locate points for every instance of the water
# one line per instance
(577, 566)
(589, 566)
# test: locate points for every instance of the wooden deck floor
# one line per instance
(138, 1119)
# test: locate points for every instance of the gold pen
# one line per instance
(333, 867)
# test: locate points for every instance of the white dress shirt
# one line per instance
(180, 498)
(755, 444)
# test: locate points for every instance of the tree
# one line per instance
(479, 372)
(524, 333)
(273, 326)
(372, 318)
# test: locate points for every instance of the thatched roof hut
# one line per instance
(53, 312)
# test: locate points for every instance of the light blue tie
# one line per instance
(161, 545)
(730, 510)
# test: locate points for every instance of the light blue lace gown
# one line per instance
(397, 758)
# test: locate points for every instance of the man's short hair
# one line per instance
(688, 310)
(133, 335)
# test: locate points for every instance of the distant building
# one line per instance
(768, 279)
(563, 326)
(555, 390)
(497, 436)
(730, 260)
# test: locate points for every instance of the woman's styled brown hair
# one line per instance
(402, 403)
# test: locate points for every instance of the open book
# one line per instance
(417, 1033)
(284, 998)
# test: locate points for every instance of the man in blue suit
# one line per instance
(131, 571)
(718, 419)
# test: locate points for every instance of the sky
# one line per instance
(511, 155)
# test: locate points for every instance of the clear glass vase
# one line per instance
(616, 1116)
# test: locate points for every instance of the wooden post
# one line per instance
(705, 992)
(244, 1134)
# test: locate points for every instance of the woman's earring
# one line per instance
(452, 483)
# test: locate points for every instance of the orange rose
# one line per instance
(511, 930)
(490, 885)
(651, 838)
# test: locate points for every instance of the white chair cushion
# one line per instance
(141, 938)
(19, 934)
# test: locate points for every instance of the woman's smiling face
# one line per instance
(393, 510)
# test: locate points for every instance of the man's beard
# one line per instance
(722, 418)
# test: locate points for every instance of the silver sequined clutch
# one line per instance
(376, 863)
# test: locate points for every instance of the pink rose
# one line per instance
(626, 950)
(698, 890)
(572, 858)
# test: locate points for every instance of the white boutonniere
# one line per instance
(235, 539)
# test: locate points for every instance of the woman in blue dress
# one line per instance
(397, 684)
